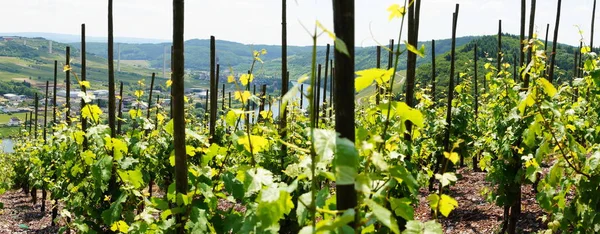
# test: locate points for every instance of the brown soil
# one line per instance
(21, 216)
(475, 214)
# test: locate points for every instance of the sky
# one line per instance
(259, 21)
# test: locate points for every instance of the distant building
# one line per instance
(12, 97)
(14, 121)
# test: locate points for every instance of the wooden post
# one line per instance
(325, 81)
(263, 99)
(206, 108)
(433, 73)
(284, 82)
(593, 23)
(120, 113)
(223, 98)
(44, 184)
(68, 85)
(229, 99)
(475, 78)
(555, 43)
(413, 39)
(301, 96)
(83, 88)
(451, 83)
(343, 18)
(499, 55)
(378, 65)
(177, 92)
(529, 51)
(213, 90)
(150, 95)
(317, 97)
(54, 93)
(522, 35)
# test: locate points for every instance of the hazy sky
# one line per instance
(259, 21)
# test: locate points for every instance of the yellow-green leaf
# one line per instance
(246, 78)
(259, 143)
(453, 157)
(120, 226)
(413, 49)
(396, 11)
(91, 112)
(548, 87)
(447, 204)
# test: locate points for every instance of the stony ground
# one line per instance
(474, 214)
(19, 215)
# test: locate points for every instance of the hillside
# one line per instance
(487, 50)
(239, 56)
(30, 59)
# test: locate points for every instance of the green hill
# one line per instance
(487, 50)
(239, 56)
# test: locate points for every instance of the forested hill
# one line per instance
(487, 51)
(239, 56)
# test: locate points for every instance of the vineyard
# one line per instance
(417, 148)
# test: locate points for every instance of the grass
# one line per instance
(4, 118)
(9, 131)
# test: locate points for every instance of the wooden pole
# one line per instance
(223, 98)
(150, 96)
(529, 51)
(499, 55)
(111, 73)
(555, 42)
(522, 34)
(83, 88)
(451, 82)
(378, 65)
(343, 18)
(317, 97)
(44, 184)
(68, 85)
(177, 92)
(284, 82)
(593, 23)
(120, 113)
(213, 89)
(54, 93)
(433, 74)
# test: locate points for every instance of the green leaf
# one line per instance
(411, 48)
(23, 226)
(169, 127)
(402, 208)
(341, 47)
(255, 179)
(273, 204)
(345, 162)
(324, 144)
(383, 215)
(133, 177)
(407, 113)
(366, 77)
(363, 184)
(198, 221)
(446, 178)
(402, 175)
(302, 210)
(113, 214)
(416, 227)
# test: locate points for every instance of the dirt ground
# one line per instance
(473, 215)
(21, 216)
(476, 215)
